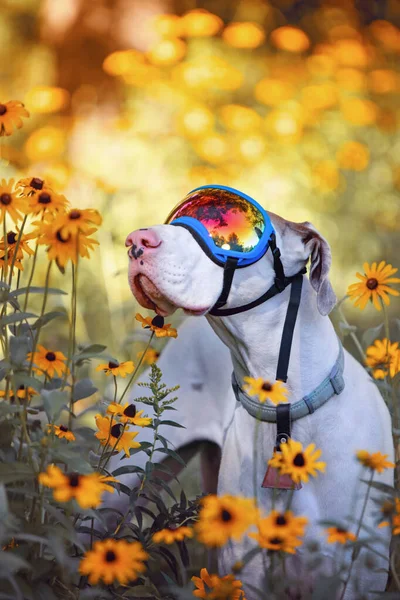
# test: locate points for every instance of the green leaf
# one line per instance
(10, 472)
(94, 594)
(127, 469)
(89, 352)
(173, 454)
(19, 348)
(83, 389)
(38, 290)
(47, 317)
(371, 334)
(10, 562)
(16, 318)
(382, 487)
(54, 401)
(171, 424)
(43, 592)
(346, 329)
(141, 591)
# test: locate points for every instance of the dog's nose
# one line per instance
(142, 239)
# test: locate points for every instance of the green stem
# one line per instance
(136, 369)
(14, 258)
(353, 335)
(115, 389)
(358, 533)
(45, 296)
(72, 346)
(28, 287)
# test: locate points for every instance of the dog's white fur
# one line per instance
(177, 273)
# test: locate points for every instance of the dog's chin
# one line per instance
(149, 296)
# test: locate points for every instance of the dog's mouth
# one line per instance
(149, 296)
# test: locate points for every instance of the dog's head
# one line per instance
(169, 270)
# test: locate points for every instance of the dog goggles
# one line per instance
(226, 223)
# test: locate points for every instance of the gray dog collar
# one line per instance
(331, 385)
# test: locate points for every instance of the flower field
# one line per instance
(110, 112)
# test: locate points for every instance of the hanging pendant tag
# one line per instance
(274, 479)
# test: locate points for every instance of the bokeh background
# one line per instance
(135, 102)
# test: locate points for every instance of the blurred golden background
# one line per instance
(135, 102)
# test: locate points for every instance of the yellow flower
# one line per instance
(376, 461)
(280, 531)
(115, 435)
(85, 489)
(9, 249)
(299, 464)
(224, 517)
(391, 511)
(45, 200)
(79, 220)
(10, 116)
(112, 560)
(212, 587)
(275, 392)
(373, 285)
(150, 356)
(63, 248)
(383, 358)
(169, 536)
(116, 368)
(10, 202)
(50, 362)
(157, 325)
(338, 534)
(61, 431)
(22, 393)
(128, 414)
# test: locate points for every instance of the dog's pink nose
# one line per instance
(143, 238)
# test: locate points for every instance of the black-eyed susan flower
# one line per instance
(391, 513)
(116, 368)
(213, 587)
(85, 489)
(115, 435)
(31, 185)
(49, 362)
(65, 247)
(11, 114)
(128, 414)
(279, 531)
(22, 393)
(224, 517)
(383, 358)
(169, 536)
(78, 220)
(10, 203)
(112, 560)
(10, 244)
(374, 285)
(149, 357)
(339, 534)
(46, 200)
(375, 462)
(296, 462)
(265, 390)
(157, 325)
(61, 432)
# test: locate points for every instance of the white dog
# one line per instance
(169, 270)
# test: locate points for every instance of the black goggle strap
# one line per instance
(229, 271)
(278, 267)
(288, 329)
(283, 429)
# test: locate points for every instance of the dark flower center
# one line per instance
(110, 556)
(226, 516)
(63, 428)
(5, 199)
(113, 365)
(341, 530)
(130, 411)
(3, 109)
(74, 214)
(116, 430)
(44, 198)
(50, 356)
(158, 321)
(276, 541)
(372, 284)
(11, 237)
(266, 386)
(37, 183)
(74, 479)
(281, 520)
(21, 387)
(60, 237)
(298, 460)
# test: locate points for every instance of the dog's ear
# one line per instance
(309, 244)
